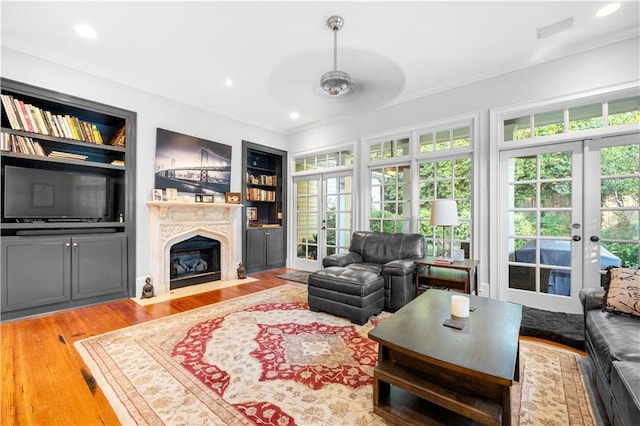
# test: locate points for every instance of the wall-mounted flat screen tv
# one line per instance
(56, 195)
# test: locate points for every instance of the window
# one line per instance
(324, 161)
(390, 148)
(403, 185)
(578, 118)
(445, 179)
(390, 195)
(445, 139)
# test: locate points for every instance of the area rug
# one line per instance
(297, 276)
(266, 359)
(560, 327)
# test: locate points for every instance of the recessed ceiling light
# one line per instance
(228, 82)
(294, 115)
(86, 31)
(607, 10)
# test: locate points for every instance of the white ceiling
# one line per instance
(275, 52)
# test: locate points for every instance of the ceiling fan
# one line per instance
(337, 83)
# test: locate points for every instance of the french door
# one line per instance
(323, 220)
(567, 211)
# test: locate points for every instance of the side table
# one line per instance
(460, 275)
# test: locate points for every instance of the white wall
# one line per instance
(606, 66)
(152, 112)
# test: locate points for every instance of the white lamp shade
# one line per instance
(444, 212)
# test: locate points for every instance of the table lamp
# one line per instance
(444, 212)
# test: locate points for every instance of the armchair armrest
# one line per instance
(399, 267)
(342, 259)
(592, 298)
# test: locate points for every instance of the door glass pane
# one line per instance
(555, 165)
(555, 223)
(555, 194)
(548, 215)
(524, 168)
(524, 195)
(306, 219)
(620, 206)
(523, 223)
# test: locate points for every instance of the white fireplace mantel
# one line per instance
(173, 222)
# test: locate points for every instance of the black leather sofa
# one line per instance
(612, 343)
(389, 255)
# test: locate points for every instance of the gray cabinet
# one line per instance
(265, 249)
(35, 272)
(98, 266)
(41, 274)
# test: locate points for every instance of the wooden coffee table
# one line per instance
(430, 373)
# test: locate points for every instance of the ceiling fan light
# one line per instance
(336, 83)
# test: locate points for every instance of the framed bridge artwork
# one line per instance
(192, 165)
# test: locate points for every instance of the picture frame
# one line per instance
(232, 197)
(207, 198)
(252, 213)
(218, 199)
(198, 198)
(156, 194)
(172, 194)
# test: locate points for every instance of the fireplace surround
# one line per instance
(175, 222)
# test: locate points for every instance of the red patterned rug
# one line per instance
(266, 359)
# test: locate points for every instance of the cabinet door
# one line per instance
(35, 271)
(99, 265)
(275, 248)
(256, 250)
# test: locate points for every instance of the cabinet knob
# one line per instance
(75, 244)
(67, 244)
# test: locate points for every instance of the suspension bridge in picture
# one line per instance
(211, 176)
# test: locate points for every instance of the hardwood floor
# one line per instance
(44, 379)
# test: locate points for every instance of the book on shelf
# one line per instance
(30, 118)
(68, 155)
(10, 110)
(118, 162)
(22, 112)
(52, 124)
(38, 120)
(20, 144)
(97, 136)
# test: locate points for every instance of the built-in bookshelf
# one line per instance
(74, 159)
(264, 199)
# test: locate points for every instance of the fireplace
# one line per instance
(174, 223)
(194, 261)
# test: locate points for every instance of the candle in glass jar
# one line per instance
(460, 306)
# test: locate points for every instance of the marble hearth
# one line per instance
(174, 222)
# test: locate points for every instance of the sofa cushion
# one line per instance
(613, 337)
(625, 389)
(623, 294)
(370, 267)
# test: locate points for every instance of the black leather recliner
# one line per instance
(390, 255)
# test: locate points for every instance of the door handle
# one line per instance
(594, 238)
(576, 238)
